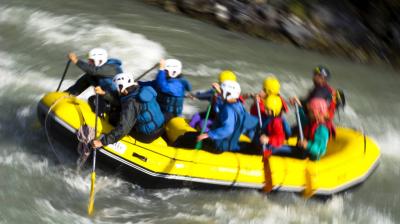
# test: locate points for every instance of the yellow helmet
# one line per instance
(271, 85)
(226, 75)
(274, 103)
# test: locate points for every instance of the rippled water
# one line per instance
(35, 38)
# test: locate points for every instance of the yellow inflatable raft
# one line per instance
(350, 158)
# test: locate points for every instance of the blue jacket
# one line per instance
(208, 95)
(232, 121)
(171, 92)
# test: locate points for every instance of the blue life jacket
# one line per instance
(150, 117)
(231, 143)
(170, 104)
(171, 92)
(106, 83)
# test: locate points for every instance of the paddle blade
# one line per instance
(91, 198)
(268, 175)
(308, 190)
(199, 145)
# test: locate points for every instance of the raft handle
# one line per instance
(144, 159)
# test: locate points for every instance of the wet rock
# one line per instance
(364, 31)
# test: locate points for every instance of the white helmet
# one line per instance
(230, 90)
(98, 55)
(174, 67)
(123, 81)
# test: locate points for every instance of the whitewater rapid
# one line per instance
(36, 188)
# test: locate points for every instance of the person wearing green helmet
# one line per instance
(321, 89)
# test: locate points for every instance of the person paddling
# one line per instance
(317, 127)
(231, 121)
(140, 114)
(321, 89)
(213, 95)
(271, 86)
(99, 72)
(273, 133)
(170, 86)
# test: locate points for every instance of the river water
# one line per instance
(35, 37)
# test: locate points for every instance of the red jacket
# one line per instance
(275, 132)
(309, 130)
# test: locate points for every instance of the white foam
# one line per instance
(335, 210)
(202, 71)
(170, 193)
(104, 184)
(21, 160)
(135, 50)
(80, 35)
(16, 82)
(389, 142)
(49, 214)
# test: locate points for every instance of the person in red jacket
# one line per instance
(273, 131)
(271, 86)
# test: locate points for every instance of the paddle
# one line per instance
(267, 167)
(308, 191)
(63, 76)
(93, 175)
(299, 122)
(199, 144)
(147, 71)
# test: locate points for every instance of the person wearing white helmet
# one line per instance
(140, 113)
(171, 87)
(231, 121)
(99, 71)
(213, 96)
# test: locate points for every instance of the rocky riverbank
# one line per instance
(365, 31)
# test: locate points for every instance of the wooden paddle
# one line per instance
(267, 167)
(93, 175)
(308, 189)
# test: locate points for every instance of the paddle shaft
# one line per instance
(63, 76)
(299, 122)
(267, 168)
(93, 175)
(308, 190)
(203, 129)
(259, 112)
(95, 131)
(146, 72)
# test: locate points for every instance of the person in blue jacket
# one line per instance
(99, 72)
(231, 121)
(170, 86)
(213, 95)
(140, 113)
